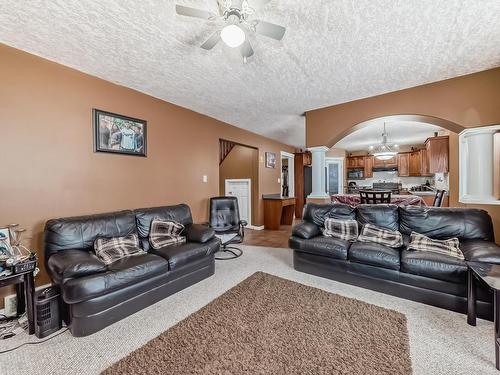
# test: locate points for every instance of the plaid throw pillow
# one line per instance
(165, 233)
(372, 233)
(110, 250)
(449, 247)
(346, 230)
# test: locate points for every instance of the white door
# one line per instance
(241, 189)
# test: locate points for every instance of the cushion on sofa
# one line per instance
(306, 230)
(110, 250)
(382, 215)
(346, 230)
(80, 232)
(182, 254)
(120, 274)
(180, 213)
(386, 237)
(450, 246)
(74, 263)
(480, 251)
(320, 245)
(165, 233)
(442, 223)
(375, 254)
(317, 213)
(433, 265)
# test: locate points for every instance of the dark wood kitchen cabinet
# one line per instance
(403, 164)
(438, 154)
(368, 165)
(415, 163)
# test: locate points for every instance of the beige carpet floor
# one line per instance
(269, 325)
(441, 341)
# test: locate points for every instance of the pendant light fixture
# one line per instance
(384, 150)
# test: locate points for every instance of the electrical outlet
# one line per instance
(10, 305)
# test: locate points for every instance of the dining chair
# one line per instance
(438, 198)
(375, 197)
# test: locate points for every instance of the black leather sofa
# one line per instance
(430, 278)
(95, 295)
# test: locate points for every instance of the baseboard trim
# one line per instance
(253, 227)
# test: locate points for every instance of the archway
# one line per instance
(446, 124)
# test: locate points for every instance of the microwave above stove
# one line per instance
(356, 174)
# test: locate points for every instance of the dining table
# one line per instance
(400, 200)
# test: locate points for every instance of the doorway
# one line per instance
(241, 189)
(287, 174)
(239, 166)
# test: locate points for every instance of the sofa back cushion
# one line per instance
(317, 213)
(80, 232)
(444, 223)
(382, 215)
(180, 213)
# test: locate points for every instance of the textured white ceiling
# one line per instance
(334, 51)
(398, 132)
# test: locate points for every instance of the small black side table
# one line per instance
(490, 275)
(25, 289)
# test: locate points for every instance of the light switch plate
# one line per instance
(205, 178)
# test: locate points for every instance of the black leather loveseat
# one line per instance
(431, 278)
(95, 295)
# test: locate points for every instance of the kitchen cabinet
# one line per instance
(403, 164)
(355, 162)
(368, 166)
(438, 154)
(415, 163)
(424, 159)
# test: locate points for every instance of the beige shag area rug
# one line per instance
(269, 325)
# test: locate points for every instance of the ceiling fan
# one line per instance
(234, 21)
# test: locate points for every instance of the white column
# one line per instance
(318, 172)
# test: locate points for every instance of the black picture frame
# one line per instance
(109, 141)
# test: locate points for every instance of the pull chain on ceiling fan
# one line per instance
(235, 24)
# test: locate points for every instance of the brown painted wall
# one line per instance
(243, 162)
(50, 170)
(470, 101)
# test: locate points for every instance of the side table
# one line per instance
(25, 289)
(490, 275)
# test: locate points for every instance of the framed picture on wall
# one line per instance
(270, 160)
(119, 134)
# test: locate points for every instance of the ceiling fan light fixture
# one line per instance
(232, 35)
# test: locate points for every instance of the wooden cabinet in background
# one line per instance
(368, 166)
(437, 154)
(415, 163)
(403, 164)
(301, 161)
(424, 168)
(355, 162)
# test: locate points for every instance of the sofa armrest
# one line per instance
(306, 230)
(480, 251)
(74, 263)
(199, 233)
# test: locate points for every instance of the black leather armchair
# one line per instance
(225, 220)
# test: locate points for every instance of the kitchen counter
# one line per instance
(275, 197)
(424, 193)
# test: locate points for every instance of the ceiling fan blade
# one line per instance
(246, 49)
(212, 41)
(193, 12)
(258, 3)
(270, 30)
